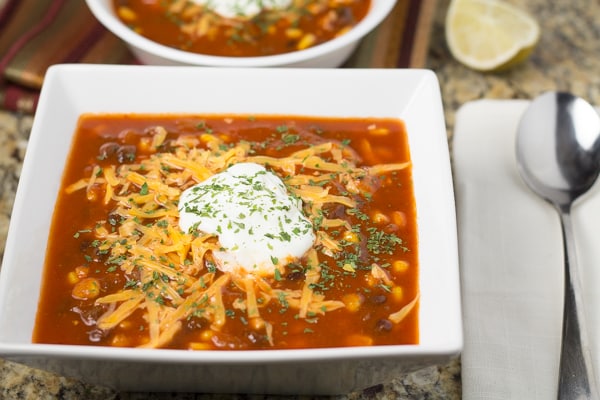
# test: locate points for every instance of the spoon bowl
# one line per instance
(558, 146)
(558, 154)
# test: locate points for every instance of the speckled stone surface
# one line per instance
(567, 58)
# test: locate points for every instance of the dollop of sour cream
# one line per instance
(243, 8)
(259, 225)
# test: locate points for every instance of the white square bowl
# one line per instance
(70, 90)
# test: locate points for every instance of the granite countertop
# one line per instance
(567, 58)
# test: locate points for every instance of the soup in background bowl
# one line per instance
(321, 34)
(246, 28)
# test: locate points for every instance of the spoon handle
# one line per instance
(576, 376)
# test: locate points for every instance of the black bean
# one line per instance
(126, 154)
(113, 219)
(122, 153)
(194, 323)
(107, 150)
(384, 325)
(378, 299)
(295, 276)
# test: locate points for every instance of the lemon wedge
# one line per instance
(489, 35)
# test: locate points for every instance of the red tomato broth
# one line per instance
(63, 318)
(190, 27)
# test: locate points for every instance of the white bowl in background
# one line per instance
(70, 90)
(330, 54)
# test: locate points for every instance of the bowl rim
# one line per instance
(102, 10)
(11, 350)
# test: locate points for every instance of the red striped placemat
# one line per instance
(35, 34)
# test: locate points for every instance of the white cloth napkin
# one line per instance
(512, 262)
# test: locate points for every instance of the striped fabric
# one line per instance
(35, 34)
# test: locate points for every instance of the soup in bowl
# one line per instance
(233, 232)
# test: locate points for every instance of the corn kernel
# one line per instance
(353, 301)
(343, 31)
(400, 266)
(120, 340)
(145, 144)
(359, 340)
(257, 323)
(399, 218)
(86, 289)
(374, 130)
(208, 138)
(72, 277)
(199, 346)
(371, 280)
(307, 40)
(350, 237)
(397, 293)
(126, 14)
(202, 26)
(206, 335)
(293, 33)
(380, 218)
(125, 325)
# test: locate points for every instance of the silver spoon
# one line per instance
(558, 155)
